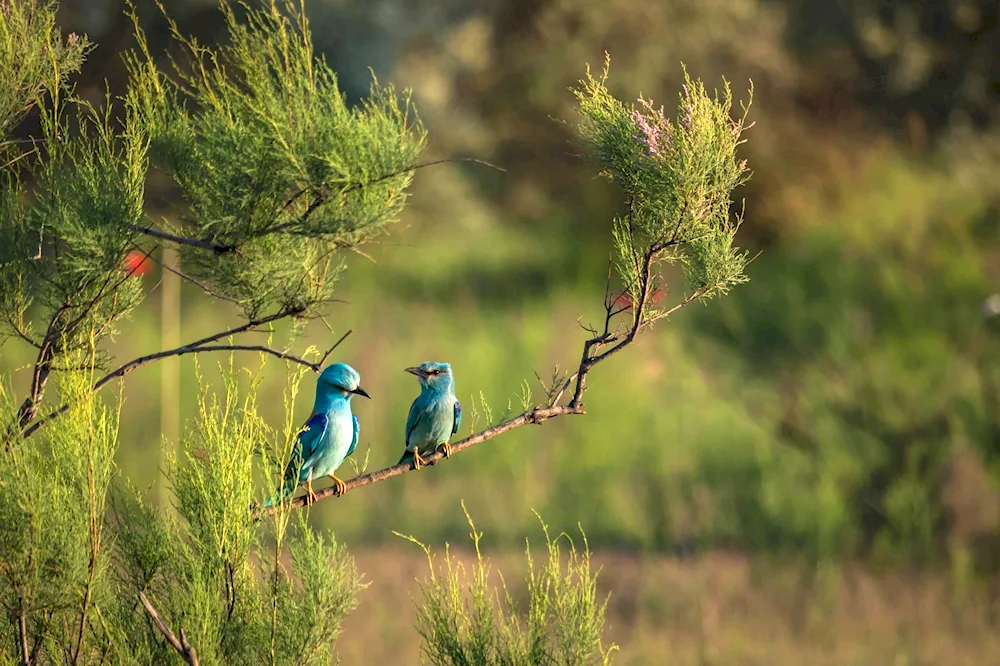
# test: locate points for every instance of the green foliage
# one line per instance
(879, 364)
(71, 572)
(61, 250)
(280, 175)
(73, 562)
(90, 192)
(464, 621)
(35, 61)
(55, 557)
(677, 178)
(271, 159)
(209, 570)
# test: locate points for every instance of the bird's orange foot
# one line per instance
(445, 448)
(310, 495)
(339, 487)
(418, 461)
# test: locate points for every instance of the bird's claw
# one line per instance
(418, 461)
(311, 496)
(339, 487)
(445, 448)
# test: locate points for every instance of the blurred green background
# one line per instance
(842, 407)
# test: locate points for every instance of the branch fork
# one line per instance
(181, 645)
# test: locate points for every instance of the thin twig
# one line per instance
(181, 646)
(292, 199)
(21, 333)
(14, 160)
(474, 160)
(315, 367)
(190, 348)
(201, 285)
(329, 351)
(41, 635)
(318, 200)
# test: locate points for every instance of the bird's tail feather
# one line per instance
(287, 489)
(407, 457)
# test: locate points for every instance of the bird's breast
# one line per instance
(435, 423)
(342, 431)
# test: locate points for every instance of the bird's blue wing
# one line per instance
(458, 417)
(310, 436)
(413, 418)
(354, 441)
(313, 431)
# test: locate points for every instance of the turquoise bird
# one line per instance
(330, 434)
(434, 416)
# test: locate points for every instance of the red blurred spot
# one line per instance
(625, 300)
(136, 263)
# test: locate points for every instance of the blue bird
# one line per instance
(330, 434)
(434, 416)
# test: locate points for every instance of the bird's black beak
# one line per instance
(360, 391)
(415, 370)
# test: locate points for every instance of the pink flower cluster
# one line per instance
(654, 127)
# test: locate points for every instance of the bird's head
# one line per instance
(342, 377)
(433, 375)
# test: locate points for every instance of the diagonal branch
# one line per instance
(536, 415)
(315, 367)
(40, 374)
(192, 347)
(49, 346)
(181, 646)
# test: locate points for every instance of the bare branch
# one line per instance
(329, 351)
(180, 240)
(14, 160)
(666, 313)
(315, 367)
(181, 646)
(190, 348)
(557, 396)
